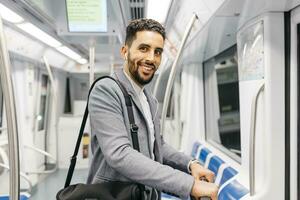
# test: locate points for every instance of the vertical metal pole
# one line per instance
(92, 64)
(54, 104)
(13, 142)
(177, 113)
(48, 67)
(173, 73)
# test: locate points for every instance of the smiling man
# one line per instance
(157, 165)
(143, 56)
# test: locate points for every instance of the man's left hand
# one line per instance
(199, 171)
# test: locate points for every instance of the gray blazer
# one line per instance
(113, 155)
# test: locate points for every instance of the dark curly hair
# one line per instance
(143, 25)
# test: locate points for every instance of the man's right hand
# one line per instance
(204, 189)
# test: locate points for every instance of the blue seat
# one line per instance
(22, 197)
(233, 191)
(203, 155)
(215, 163)
(195, 149)
(228, 173)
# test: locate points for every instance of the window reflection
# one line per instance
(222, 101)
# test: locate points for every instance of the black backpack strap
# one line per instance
(133, 126)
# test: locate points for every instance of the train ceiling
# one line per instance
(50, 16)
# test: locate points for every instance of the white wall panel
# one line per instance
(192, 106)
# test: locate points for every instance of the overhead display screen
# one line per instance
(87, 15)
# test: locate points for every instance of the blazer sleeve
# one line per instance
(174, 158)
(107, 123)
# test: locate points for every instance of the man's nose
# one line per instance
(150, 57)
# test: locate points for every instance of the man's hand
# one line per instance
(204, 189)
(198, 172)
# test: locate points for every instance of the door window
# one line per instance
(43, 102)
(222, 102)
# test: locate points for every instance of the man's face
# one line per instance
(143, 57)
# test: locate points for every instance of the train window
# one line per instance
(222, 102)
(43, 102)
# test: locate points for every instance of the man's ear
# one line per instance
(124, 52)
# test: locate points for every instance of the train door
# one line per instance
(294, 104)
(41, 117)
(244, 99)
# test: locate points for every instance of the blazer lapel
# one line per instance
(154, 111)
(152, 103)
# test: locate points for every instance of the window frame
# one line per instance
(227, 53)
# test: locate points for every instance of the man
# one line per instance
(157, 165)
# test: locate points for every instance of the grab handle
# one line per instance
(252, 139)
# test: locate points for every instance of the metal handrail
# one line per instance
(173, 72)
(22, 174)
(48, 67)
(10, 109)
(252, 140)
(45, 154)
(54, 104)
(41, 152)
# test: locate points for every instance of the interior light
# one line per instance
(68, 52)
(9, 15)
(39, 117)
(158, 9)
(39, 34)
(82, 61)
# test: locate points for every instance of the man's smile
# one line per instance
(146, 68)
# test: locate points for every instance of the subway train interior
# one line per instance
(227, 89)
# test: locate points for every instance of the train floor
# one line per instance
(48, 187)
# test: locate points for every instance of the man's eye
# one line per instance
(143, 48)
(158, 53)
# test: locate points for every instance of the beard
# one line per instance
(134, 71)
